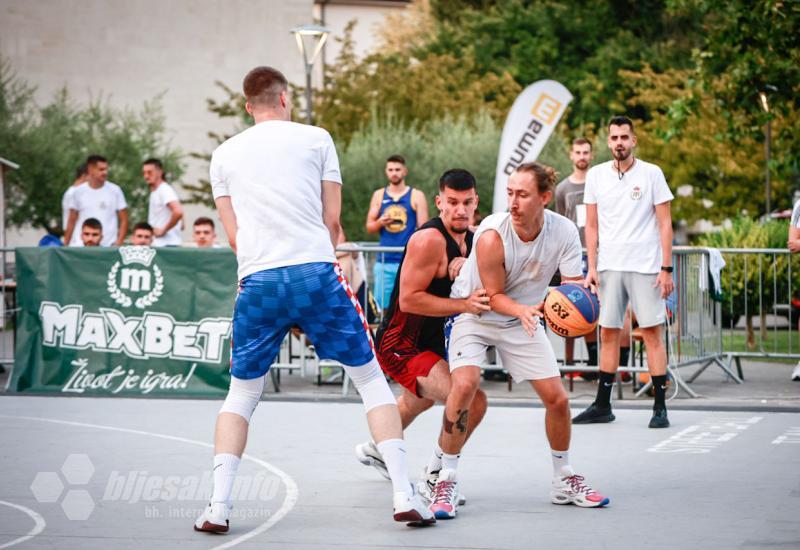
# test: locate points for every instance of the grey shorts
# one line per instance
(619, 287)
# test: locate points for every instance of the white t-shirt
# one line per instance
(102, 203)
(67, 203)
(626, 215)
(529, 265)
(796, 215)
(158, 214)
(273, 173)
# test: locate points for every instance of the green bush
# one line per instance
(50, 142)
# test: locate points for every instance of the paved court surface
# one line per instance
(131, 473)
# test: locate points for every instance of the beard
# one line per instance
(582, 164)
(622, 154)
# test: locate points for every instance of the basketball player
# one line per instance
(515, 255)
(277, 188)
(395, 211)
(411, 338)
(628, 213)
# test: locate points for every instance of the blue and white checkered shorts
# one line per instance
(314, 296)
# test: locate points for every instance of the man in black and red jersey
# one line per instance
(411, 344)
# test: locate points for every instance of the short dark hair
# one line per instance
(202, 220)
(457, 179)
(81, 170)
(620, 120)
(143, 225)
(396, 158)
(544, 176)
(263, 86)
(154, 162)
(582, 141)
(94, 159)
(92, 223)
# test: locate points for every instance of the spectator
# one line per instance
(91, 232)
(794, 247)
(203, 233)
(165, 209)
(100, 199)
(395, 211)
(81, 174)
(142, 234)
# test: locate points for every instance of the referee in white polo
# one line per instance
(628, 215)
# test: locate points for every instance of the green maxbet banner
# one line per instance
(124, 321)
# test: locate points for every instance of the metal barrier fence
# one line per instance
(751, 314)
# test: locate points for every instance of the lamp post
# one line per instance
(767, 150)
(311, 34)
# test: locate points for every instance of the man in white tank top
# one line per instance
(514, 257)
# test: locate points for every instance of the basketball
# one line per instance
(571, 310)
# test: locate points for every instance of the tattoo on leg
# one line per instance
(448, 426)
(461, 423)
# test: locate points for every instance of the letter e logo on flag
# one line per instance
(546, 108)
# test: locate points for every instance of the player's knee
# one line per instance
(243, 396)
(463, 387)
(557, 401)
(371, 385)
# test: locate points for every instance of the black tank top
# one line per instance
(431, 333)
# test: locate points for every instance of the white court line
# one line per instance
(291, 486)
(38, 520)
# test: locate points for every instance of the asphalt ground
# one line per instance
(132, 473)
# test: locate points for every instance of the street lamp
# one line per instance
(307, 36)
(762, 96)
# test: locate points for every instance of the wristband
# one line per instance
(667, 268)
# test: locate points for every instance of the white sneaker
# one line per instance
(412, 510)
(369, 455)
(214, 518)
(796, 373)
(444, 504)
(569, 488)
(426, 484)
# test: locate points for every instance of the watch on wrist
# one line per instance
(667, 268)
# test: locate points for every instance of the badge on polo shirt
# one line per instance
(636, 194)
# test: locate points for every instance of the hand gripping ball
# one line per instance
(571, 310)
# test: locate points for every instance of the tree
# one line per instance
(50, 142)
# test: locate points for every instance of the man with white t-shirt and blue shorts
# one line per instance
(628, 215)
(277, 188)
(514, 257)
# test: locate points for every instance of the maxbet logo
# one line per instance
(134, 281)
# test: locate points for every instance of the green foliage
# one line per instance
(411, 89)
(50, 142)
(471, 144)
(752, 283)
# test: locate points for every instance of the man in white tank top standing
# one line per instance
(628, 216)
(514, 257)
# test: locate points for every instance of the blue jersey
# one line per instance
(404, 224)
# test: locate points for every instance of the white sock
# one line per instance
(435, 462)
(449, 462)
(225, 467)
(395, 456)
(560, 461)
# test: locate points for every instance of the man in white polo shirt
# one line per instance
(99, 199)
(164, 212)
(628, 214)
